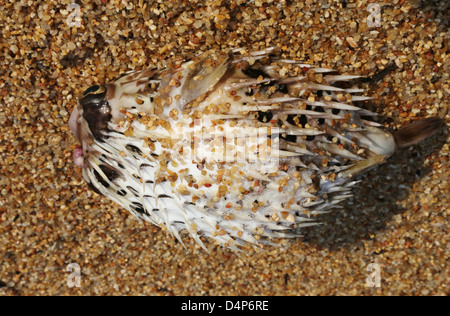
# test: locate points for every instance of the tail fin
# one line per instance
(417, 131)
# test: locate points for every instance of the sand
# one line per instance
(391, 238)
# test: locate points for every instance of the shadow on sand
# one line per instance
(435, 9)
(376, 199)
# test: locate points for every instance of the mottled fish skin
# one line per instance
(223, 146)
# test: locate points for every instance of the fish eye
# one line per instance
(96, 89)
(96, 109)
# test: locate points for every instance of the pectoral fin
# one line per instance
(363, 165)
(203, 76)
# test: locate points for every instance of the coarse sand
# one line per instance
(396, 223)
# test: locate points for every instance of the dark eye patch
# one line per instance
(133, 191)
(282, 88)
(255, 73)
(319, 109)
(93, 188)
(302, 119)
(138, 207)
(100, 179)
(289, 138)
(264, 116)
(133, 149)
(109, 172)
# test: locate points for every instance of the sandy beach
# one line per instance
(394, 229)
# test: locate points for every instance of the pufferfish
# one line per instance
(239, 147)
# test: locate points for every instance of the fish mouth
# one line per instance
(74, 123)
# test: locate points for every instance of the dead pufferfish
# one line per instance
(235, 146)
